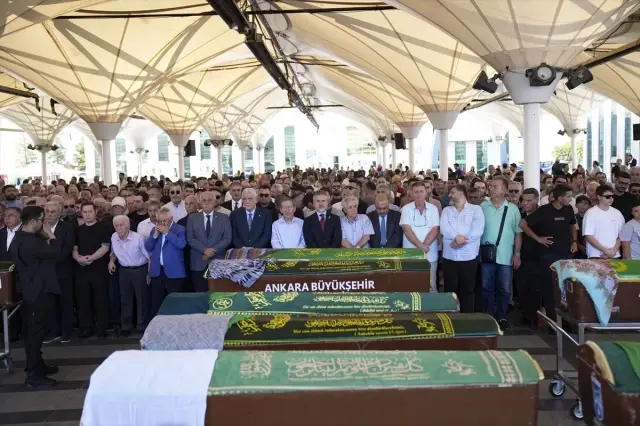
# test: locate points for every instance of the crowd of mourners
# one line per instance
(106, 256)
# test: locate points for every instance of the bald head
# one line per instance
(191, 204)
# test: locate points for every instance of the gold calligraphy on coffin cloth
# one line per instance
(322, 266)
(352, 323)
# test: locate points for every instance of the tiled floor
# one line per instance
(62, 406)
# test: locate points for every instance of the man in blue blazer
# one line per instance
(166, 247)
(209, 236)
(251, 224)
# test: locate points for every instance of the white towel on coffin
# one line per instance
(150, 388)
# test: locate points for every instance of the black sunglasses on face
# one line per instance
(514, 191)
(265, 195)
(608, 197)
(174, 192)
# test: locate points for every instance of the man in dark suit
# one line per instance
(251, 224)
(7, 234)
(322, 229)
(236, 197)
(61, 322)
(208, 236)
(35, 254)
(385, 219)
(191, 206)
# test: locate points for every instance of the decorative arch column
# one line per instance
(180, 140)
(106, 134)
(411, 133)
(443, 121)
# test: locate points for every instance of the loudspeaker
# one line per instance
(400, 142)
(190, 148)
(636, 132)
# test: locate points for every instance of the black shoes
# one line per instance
(38, 382)
(504, 324)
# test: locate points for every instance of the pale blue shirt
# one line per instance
(470, 223)
(129, 252)
(353, 231)
(421, 225)
(252, 213)
(287, 235)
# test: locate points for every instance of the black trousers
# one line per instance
(528, 282)
(61, 319)
(36, 316)
(460, 278)
(92, 293)
(133, 281)
(200, 283)
(160, 287)
(546, 283)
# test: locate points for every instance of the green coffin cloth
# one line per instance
(627, 270)
(289, 328)
(261, 303)
(290, 371)
(343, 254)
(321, 267)
(622, 358)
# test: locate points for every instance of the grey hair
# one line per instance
(121, 218)
(349, 199)
(248, 191)
(164, 210)
(53, 204)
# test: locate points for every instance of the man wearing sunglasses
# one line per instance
(176, 206)
(602, 225)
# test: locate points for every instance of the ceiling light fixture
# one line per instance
(486, 84)
(578, 76)
(542, 75)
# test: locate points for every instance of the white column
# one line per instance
(180, 140)
(242, 164)
(411, 145)
(384, 160)
(394, 162)
(443, 172)
(43, 160)
(180, 162)
(140, 158)
(219, 165)
(108, 162)
(531, 140)
(574, 150)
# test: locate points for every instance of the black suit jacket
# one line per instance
(35, 265)
(229, 206)
(394, 231)
(314, 237)
(260, 234)
(4, 254)
(187, 249)
(65, 237)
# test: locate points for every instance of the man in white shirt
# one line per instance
(420, 222)
(176, 206)
(601, 226)
(356, 228)
(146, 226)
(287, 231)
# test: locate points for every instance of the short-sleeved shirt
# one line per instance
(421, 225)
(492, 219)
(353, 231)
(631, 232)
(604, 226)
(625, 203)
(547, 221)
(89, 239)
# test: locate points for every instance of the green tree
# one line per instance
(24, 156)
(563, 152)
(79, 158)
(59, 156)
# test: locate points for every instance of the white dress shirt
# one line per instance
(421, 225)
(178, 212)
(145, 227)
(53, 228)
(287, 235)
(235, 204)
(11, 233)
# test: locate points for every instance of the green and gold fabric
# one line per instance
(299, 371)
(342, 266)
(325, 254)
(262, 303)
(292, 328)
(619, 363)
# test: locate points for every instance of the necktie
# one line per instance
(322, 222)
(250, 220)
(207, 228)
(383, 230)
(235, 206)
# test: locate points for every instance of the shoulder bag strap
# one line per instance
(504, 216)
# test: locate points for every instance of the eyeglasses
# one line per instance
(514, 191)
(265, 195)
(70, 206)
(608, 197)
(174, 192)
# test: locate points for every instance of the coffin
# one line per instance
(351, 275)
(325, 254)
(9, 294)
(314, 388)
(291, 303)
(578, 304)
(609, 382)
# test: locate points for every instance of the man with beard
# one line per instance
(35, 254)
(10, 196)
(622, 200)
